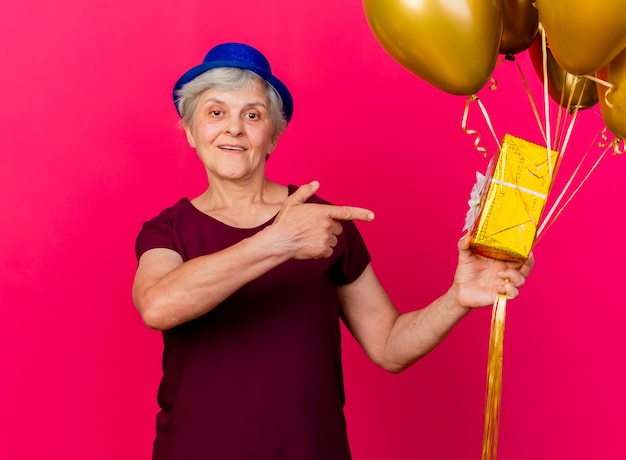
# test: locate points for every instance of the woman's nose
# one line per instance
(234, 126)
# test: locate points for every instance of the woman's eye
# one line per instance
(252, 116)
(216, 113)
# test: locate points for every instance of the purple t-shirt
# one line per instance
(259, 376)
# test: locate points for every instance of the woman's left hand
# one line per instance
(478, 280)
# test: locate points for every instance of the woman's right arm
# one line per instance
(169, 292)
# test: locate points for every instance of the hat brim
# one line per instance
(198, 70)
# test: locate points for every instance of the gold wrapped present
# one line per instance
(506, 205)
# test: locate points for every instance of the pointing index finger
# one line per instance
(349, 213)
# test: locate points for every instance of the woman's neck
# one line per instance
(242, 205)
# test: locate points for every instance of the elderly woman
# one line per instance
(248, 281)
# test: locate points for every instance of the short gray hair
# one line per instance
(228, 79)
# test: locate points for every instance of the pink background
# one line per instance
(90, 149)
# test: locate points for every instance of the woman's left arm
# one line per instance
(394, 341)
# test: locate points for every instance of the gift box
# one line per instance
(507, 202)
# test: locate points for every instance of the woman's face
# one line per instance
(232, 133)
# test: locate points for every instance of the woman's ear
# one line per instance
(189, 134)
(275, 139)
(271, 148)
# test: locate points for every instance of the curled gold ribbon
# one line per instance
(466, 130)
(610, 87)
(471, 132)
(617, 143)
(605, 140)
(618, 146)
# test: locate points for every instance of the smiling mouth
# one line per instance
(234, 148)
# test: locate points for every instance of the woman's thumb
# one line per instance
(304, 192)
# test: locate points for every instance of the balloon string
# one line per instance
(558, 127)
(494, 380)
(564, 109)
(531, 100)
(549, 220)
(504, 59)
(556, 204)
(573, 109)
(546, 100)
(488, 119)
(582, 91)
(568, 134)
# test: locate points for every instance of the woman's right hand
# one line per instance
(310, 230)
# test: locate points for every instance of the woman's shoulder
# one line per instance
(181, 205)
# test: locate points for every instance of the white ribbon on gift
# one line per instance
(521, 189)
(477, 195)
(475, 201)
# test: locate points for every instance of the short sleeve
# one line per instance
(156, 233)
(353, 255)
